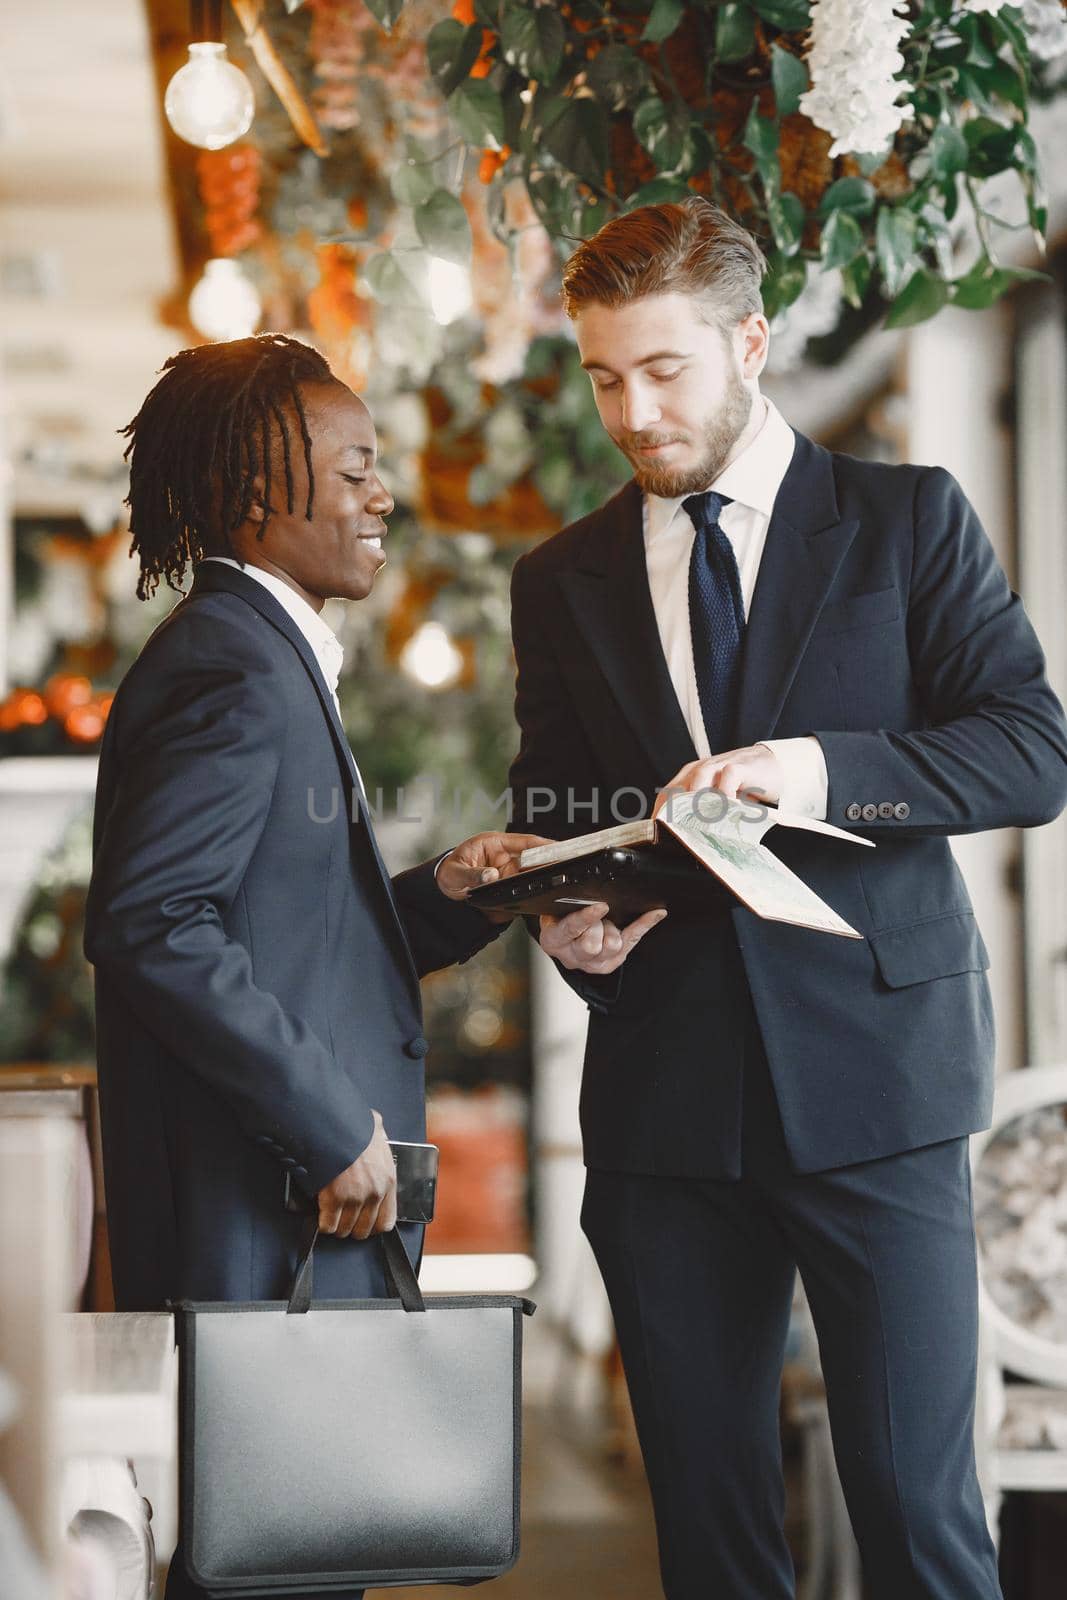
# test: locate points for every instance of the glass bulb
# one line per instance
(431, 658)
(450, 290)
(209, 102)
(224, 304)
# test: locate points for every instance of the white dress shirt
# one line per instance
(752, 482)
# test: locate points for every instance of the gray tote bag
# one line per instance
(334, 1445)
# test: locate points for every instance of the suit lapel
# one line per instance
(806, 543)
(210, 576)
(609, 596)
(608, 592)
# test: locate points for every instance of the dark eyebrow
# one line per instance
(660, 355)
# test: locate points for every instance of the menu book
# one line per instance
(637, 866)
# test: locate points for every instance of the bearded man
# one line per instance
(753, 612)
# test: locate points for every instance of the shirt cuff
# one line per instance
(437, 864)
(805, 783)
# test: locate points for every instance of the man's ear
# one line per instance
(755, 344)
(257, 506)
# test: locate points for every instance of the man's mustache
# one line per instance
(645, 441)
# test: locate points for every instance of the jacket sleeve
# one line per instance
(190, 805)
(553, 762)
(440, 931)
(993, 751)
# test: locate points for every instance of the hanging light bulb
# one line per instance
(450, 290)
(431, 658)
(224, 304)
(209, 102)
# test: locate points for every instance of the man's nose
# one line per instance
(639, 409)
(381, 501)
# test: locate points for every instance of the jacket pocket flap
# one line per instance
(937, 948)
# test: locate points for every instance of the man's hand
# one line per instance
(361, 1200)
(585, 941)
(483, 859)
(752, 773)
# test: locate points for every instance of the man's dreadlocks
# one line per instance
(200, 439)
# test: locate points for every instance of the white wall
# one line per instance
(958, 368)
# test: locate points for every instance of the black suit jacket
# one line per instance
(257, 973)
(882, 623)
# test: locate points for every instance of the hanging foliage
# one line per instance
(846, 134)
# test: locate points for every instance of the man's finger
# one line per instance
(364, 1225)
(637, 930)
(329, 1218)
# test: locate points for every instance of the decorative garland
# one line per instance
(844, 133)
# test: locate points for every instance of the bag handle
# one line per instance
(400, 1276)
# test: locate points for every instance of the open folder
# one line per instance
(639, 866)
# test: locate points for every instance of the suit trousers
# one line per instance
(700, 1275)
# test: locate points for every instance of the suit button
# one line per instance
(288, 1161)
(265, 1140)
(300, 1172)
(416, 1048)
(885, 810)
(870, 813)
(901, 810)
(853, 812)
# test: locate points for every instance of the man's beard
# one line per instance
(721, 432)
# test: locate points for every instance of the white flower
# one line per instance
(853, 62)
(1046, 27)
(990, 7)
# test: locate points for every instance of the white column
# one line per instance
(959, 367)
(569, 1289)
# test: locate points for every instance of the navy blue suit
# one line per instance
(757, 1096)
(257, 973)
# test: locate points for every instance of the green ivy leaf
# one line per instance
(854, 195)
(451, 51)
(792, 16)
(842, 240)
(735, 32)
(413, 182)
(856, 280)
(663, 19)
(991, 147)
(658, 192)
(949, 151)
(661, 128)
(895, 243)
(441, 224)
(785, 212)
(923, 296)
(388, 282)
(575, 131)
(533, 41)
(478, 112)
(785, 280)
(789, 76)
(387, 12)
(761, 137)
(617, 76)
(986, 282)
(488, 13)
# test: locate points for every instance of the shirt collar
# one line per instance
(328, 649)
(752, 479)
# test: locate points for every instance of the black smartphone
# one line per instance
(416, 1183)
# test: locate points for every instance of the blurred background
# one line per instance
(398, 183)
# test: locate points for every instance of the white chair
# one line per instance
(1020, 1169)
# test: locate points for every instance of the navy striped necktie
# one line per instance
(716, 618)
